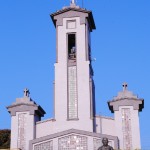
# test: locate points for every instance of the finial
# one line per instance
(125, 85)
(73, 3)
(26, 92)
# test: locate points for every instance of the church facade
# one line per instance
(75, 125)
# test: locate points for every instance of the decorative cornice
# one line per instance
(58, 16)
(25, 104)
(47, 120)
(126, 98)
(105, 117)
(138, 104)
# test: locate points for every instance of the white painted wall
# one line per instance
(105, 125)
(134, 127)
(83, 86)
(48, 127)
(14, 132)
(30, 128)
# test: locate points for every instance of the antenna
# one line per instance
(82, 3)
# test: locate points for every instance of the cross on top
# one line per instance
(26, 92)
(125, 85)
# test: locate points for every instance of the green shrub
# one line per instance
(5, 138)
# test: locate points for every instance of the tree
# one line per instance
(5, 138)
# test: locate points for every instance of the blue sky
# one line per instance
(120, 44)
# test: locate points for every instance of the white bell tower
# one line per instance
(74, 87)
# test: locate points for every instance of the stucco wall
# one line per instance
(105, 125)
(49, 126)
(135, 130)
(61, 79)
(29, 129)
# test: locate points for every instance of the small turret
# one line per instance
(126, 107)
(24, 115)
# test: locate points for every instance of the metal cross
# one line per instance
(26, 92)
(125, 85)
